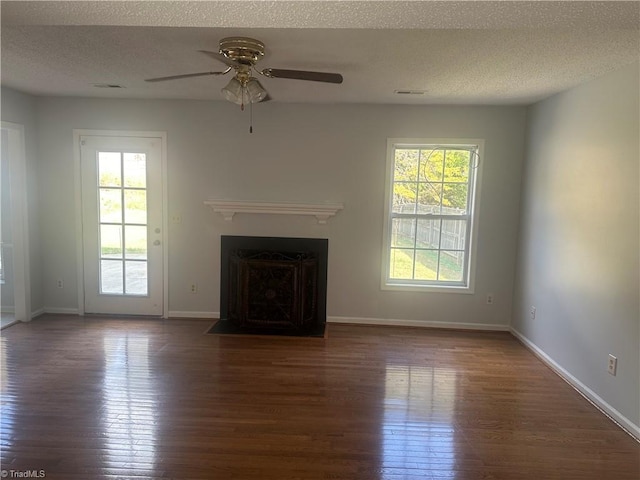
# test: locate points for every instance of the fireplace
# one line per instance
(273, 285)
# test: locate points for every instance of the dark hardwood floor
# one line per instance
(99, 398)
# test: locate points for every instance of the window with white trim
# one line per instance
(430, 199)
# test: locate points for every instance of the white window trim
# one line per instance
(414, 286)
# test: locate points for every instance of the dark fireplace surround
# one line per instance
(273, 285)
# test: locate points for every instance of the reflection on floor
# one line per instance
(7, 319)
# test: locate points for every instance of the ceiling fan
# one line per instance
(241, 54)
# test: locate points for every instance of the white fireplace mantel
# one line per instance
(228, 208)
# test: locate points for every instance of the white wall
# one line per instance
(297, 153)
(578, 261)
(21, 109)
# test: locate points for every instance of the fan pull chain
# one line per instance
(250, 117)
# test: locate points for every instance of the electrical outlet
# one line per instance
(613, 365)
(194, 288)
(489, 298)
(176, 219)
(532, 312)
(60, 283)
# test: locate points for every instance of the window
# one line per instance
(431, 194)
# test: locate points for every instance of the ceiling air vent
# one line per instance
(107, 85)
(409, 92)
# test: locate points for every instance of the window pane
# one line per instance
(426, 265)
(429, 223)
(431, 165)
(109, 174)
(110, 205)
(111, 276)
(406, 165)
(454, 233)
(404, 197)
(403, 232)
(457, 166)
(455, 198)
(110, 241)
(135, 202)
(451, 265)
(135, 170)
(136, 278)
(428, 234)
(135, 242)
(401, 263)
(430, 197)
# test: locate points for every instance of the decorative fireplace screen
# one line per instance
(275, 284)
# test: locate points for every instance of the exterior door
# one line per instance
(122, 212)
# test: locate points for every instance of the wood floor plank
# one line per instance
(114, 398)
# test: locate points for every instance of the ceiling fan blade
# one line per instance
(185, 75)
(302, 75)
(221, 58)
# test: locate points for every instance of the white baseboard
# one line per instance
(419, 323)
(172, 314)
(60, 310)
(622, 421)
(179, 314)
(175, 314)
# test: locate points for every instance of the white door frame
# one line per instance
(19, 220)
(77, 133)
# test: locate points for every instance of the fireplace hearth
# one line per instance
(273, 285)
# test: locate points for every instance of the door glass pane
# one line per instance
(123, 230)
(136, 278)
(401, 263)
(136, 242)
(110, 241)
(109, 173)
(135, 170)
(111, 276)
(110, 205)
(135, 206)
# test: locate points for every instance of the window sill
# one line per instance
(399, 287)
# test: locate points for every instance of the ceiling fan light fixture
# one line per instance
(255, 91)
(233, 92)
(241, 55)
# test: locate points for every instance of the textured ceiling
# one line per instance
(458, 52)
